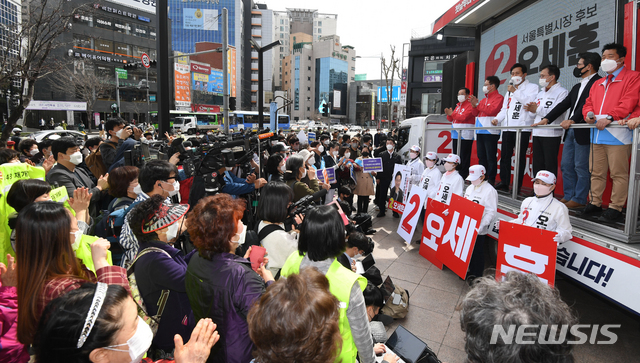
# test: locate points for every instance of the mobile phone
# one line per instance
(257, 256)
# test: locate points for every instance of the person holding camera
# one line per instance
(118, 131)
(358, 245)
(296, 170)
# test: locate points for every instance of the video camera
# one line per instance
(302, 206)
(146, 151)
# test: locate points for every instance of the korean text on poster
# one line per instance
(327, 176)
(528, 250)
(372, 165)
(434, 224)
(400, 183)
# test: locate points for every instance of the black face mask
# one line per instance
(577, 72)
(365, 154)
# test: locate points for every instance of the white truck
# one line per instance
(190, 125)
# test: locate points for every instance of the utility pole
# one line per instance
(118, 90)
(225, 68)
(148, 118)
(164, 86)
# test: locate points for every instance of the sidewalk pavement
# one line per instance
(434, 295)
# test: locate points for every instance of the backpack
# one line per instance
(96, 164)
(153, 321)
(396, 300)
(105, 223)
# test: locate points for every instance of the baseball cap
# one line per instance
(279, 147)
(545, 176)
(415, 148)
(431, 155)
(475, 172)
(165, 216)
(452, 158)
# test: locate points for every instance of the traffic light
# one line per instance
(131, 65)
(114, 108)
(232, 103)
(153, 63)
(325, 110)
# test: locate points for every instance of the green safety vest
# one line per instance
(341, 281)
(84, 252)
(10, 174)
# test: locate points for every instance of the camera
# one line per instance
(302, 206)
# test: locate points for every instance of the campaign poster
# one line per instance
(371, 165)
(327, 175)
(400, 183)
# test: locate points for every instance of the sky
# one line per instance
(371, 27)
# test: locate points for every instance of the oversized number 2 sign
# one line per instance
(415, 202)
(444, 146)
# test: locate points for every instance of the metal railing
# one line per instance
(633, 196)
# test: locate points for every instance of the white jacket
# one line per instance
(279, 245)
(546, 213)
(430, 181)
(485, 195)
(546, 101)
(449, 184)
(512, 112)
(417, 167)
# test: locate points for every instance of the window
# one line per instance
(308, 88)
(319, 23)
(82, 41)
(122, 26)
(281, 21)
(308, 78)
(104, 22)
(309, 68)
(308, 109)
(104, 46)
(281, 28)
(319, 30)
(122, 49)
(309, 57)
(281, 36)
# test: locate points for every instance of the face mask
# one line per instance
(608, 65)
(365, 155)
(274, 142)
(75, 158)
(321, 149)
(449, 167)
(543, 82)
(77, 235)
(541, 190)
(311, 160)
(430, 164)
(119, 133)
(137, 189)
(413, 155)
(242, 235)
(334, 153)
(354, 145)
(283, 168)
(461, 98)
(34, 151)
(138, 344)
(347, 155)
(389, 147)
(357, 256)
(516, 80)
(485, 89)
(304, 173)
(577, 72)
(326, 142)
(476, 182)
(172, 231)
(176, 189)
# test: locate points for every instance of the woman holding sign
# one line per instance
(364, 183)
(481, 192)
(451, 182)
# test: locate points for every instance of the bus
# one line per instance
(250, 119)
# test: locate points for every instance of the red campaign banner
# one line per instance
(528, 250)
(396, 206)
(434, 224)
(456, 244)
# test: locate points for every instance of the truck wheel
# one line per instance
(190, 132)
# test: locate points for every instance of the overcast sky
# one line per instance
(372, 26)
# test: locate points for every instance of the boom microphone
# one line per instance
(319, 194)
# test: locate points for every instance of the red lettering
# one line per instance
(415, 202)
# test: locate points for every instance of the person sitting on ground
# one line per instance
(308, 330)
(517, 300)
(119, 335)
(358, 245)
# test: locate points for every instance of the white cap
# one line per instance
(415, 148)
(16, 129)
(286, 147)
(545, 176)
(475, 172)
(452, 158)
(431, 155)
(306, 154)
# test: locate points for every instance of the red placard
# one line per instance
(526, 249)
(434, 225)
(396, 206)
(459, 236)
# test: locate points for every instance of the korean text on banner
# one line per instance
(434, 225)
(10, 174)
(371, 165)
(527, 250)
(456, 244)
(396, 206)
(486, 122)
(60, 195)
(328, 175)
(311, 136)
(412, 209)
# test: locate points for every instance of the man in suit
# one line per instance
(575, 155)
(383, 180)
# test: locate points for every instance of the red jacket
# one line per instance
(462, 114)
(621, 96)
(489, 106)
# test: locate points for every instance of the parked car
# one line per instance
(39, 136)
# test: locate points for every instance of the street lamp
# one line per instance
(261, 50)
(379, 102)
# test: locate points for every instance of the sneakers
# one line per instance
(610, 215)
(573, 205)
(591, 209)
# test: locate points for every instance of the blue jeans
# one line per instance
(576, 179)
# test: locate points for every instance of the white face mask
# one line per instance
(608, 65)
(449, 167)
(461, 98)
(476, 182)
(485, 89)
(75, 158)
(172, 231)
(176, 188)
(334, 153)
(347, 155)
(543, 82)
(389, 147)
(138, 344)
(119, 133)
(283, 168)
(241, 236)
(430, 163)
(312, 160)
(326, 142)
(541, 190)
(34, 151)
(304, 173)
(321, 149)
(413, 155)
(516, 80)
(77, 236)
(137, 189)
(357, 256)
(354, 145)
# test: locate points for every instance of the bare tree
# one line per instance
(390, 69)
(25, 58)
(85, 81)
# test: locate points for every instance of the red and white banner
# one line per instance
(527, 250)
(412, 209)
(449, 233)
(395, 206)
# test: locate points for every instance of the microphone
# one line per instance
(591, 115)
(319, 194)
(511, 82)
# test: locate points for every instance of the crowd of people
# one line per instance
(132, 262)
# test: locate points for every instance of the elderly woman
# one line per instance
(296, 170)
(221, 285)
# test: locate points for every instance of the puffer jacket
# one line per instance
(224, 289)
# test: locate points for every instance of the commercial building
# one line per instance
(10, 17)
(262, 30)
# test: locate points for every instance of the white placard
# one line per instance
(412, 210)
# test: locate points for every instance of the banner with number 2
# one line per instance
(412, 208)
